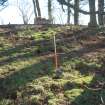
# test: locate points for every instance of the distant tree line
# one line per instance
(74, 5)
(92, 10)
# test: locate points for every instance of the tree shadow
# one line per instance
(18, 57)
(89, 48)
(21, 52)
(19, 47)
(91, 95)
(16, 49)
(16, 79)
(94, 92)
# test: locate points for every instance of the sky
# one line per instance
(12, 15)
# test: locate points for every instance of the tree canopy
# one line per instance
(2, 2)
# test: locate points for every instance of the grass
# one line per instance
(31, 75)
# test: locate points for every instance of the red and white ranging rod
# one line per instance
(55, 54)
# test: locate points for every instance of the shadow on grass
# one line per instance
(90, 96)
(94, 47)
(16, 49)
(94, 92)
(19, 48)
(21, 77)
(20, 56)
(16, 79)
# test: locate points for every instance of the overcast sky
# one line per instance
(12, 15)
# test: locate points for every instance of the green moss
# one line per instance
(50, 95)
(55, 101)
(31, 73)
(72, 94)
(52, 102)
(86, 80)
(6, 102)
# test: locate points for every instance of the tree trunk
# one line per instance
(25, 19)
(68, 13)
(35, 11)
(93, 21)
(50, 10)
(38, 8)
(101, 10)
(76, 12)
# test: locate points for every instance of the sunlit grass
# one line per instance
(31, 75)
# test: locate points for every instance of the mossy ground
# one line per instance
(27, 72)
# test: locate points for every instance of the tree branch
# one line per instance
(63, 2)
(80, 10)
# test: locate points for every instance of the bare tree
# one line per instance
(35, 9)
(25, 10)
(93, 21)
(92, 12)
(38, 8)
(68, 13)
(76, 12)
(50, 10)
(100, 11)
